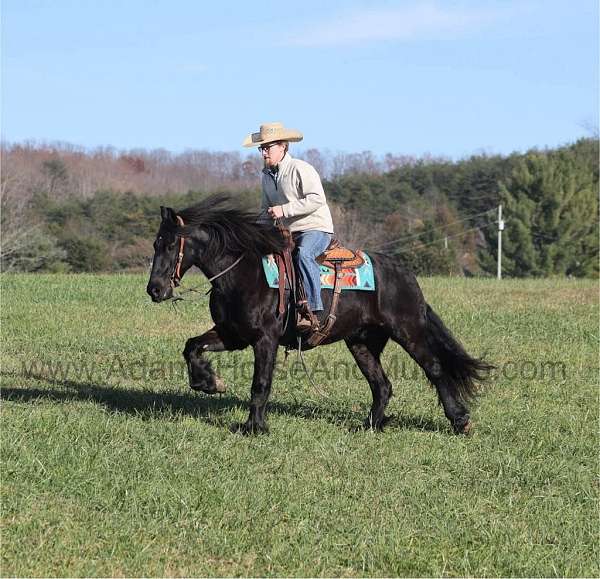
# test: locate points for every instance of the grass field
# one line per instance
(111, 466)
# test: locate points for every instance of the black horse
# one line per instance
(227, 244)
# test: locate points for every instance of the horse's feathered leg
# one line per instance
(201, 374)
(366, 350)
(265, 354)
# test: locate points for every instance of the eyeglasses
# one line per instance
(267, 147)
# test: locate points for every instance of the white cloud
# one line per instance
(413, 21)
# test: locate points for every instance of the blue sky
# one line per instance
(404, 77)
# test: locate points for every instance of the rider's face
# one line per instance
(272, 153)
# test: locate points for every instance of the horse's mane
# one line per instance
(231, 229)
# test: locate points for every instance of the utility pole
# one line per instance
(500, 230)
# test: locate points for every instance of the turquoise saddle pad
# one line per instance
(354, 278)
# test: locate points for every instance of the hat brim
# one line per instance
(292, 136)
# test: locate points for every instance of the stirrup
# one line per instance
(306, 321)
(303, 325)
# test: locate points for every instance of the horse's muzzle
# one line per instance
(159, 293)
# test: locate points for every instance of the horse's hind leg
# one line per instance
(201, 374)
(414, 341)
(366, 350)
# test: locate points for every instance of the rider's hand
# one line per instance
(276, 212)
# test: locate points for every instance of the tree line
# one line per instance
(67, 209)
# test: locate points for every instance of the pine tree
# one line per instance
(551, 209)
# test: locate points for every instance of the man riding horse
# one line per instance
(229, 246)
(292, 193)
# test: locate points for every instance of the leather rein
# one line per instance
(176, 275)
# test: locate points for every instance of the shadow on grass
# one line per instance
(210, 409)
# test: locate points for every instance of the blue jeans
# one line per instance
(309, 245)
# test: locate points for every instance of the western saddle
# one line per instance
(335, 257)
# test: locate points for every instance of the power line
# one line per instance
(456, 234)
(439, 239)
(415, 235)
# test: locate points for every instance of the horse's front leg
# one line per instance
(201, 374)
(265, 354)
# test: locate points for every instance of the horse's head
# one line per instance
(173, 256)
(210, 235)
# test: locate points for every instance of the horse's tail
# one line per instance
(462, 370)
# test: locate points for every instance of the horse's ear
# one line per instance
(167, 214)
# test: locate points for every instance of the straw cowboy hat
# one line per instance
(271, 132)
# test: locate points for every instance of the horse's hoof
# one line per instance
(465, 429)
(220, 385)
(202, 387)
(248, 429)
(217, 387)
(197, 387)
(368, 424)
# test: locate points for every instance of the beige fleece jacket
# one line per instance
(297, 187)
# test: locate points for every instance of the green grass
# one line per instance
(113, 467)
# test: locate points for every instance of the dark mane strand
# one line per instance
(231, 229)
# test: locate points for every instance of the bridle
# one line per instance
(176, 275)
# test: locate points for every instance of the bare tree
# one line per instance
(352, 229)
(61, 169)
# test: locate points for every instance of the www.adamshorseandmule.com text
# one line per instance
(240, 368)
